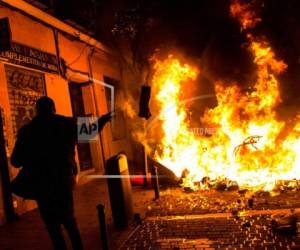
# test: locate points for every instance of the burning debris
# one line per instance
(251, 148)
(251, 140)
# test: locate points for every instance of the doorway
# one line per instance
(84, 150)
(6, 195)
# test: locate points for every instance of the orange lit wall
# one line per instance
(30, 32)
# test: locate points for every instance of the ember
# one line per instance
(250, 146)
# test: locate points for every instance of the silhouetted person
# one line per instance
(46, 146)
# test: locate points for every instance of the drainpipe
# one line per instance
(91, 79)
(61, 71)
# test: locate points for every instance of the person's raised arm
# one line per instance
(103, 120)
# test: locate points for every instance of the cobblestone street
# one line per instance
(215, 220)
(178, 220)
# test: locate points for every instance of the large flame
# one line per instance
(250, 145)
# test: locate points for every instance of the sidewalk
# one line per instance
(28, 233)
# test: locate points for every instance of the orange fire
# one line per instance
(244, 13)
(250, 146)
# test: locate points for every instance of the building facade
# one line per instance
(50, 57)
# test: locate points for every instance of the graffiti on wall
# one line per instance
(24, 88)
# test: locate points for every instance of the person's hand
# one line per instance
(104, 119)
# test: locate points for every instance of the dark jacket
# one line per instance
(46, 147)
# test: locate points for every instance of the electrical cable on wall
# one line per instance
(78, 57)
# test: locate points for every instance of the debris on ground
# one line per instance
(284, 223)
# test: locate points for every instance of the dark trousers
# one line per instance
(58, 211)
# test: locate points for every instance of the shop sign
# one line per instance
(29, 57)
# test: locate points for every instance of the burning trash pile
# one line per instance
(251, 147)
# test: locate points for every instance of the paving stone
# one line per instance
(225, 232)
